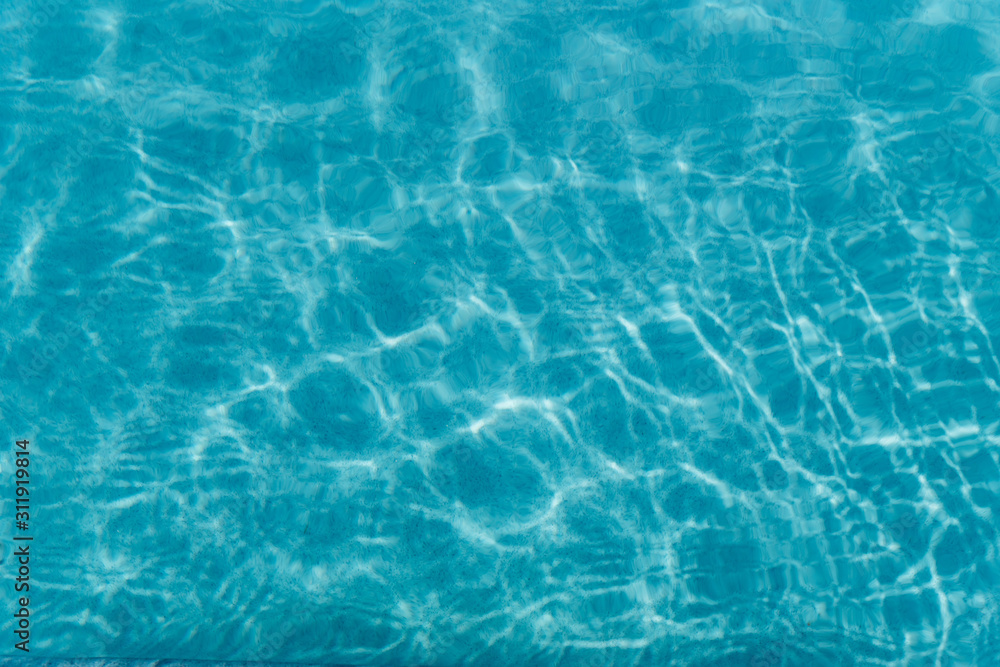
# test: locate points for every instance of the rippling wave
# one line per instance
(517, 333)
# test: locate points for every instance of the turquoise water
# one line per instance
(566, 333)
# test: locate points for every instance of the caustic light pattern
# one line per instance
(561, 333)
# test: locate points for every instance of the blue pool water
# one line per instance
(440, 333)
